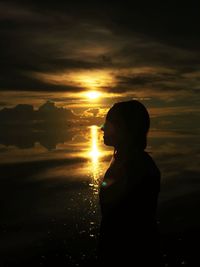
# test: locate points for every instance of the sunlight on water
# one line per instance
(95, 154)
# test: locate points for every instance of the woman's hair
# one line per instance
(131, 119)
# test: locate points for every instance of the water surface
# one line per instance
(49, 190)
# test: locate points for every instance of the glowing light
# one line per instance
(104, 183)
(94, 154)
(93, 94)
(92, 79)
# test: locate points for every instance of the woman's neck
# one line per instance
(126, 152)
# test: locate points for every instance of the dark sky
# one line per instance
(50, 48)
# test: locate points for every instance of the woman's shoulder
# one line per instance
(142, 162)
(143, 169)
(151, 165)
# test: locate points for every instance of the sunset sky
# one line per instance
(72, 60)
(63, 50)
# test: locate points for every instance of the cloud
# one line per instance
(2, 103)
(66, 37)
(57, 50)
(91, 112)
(172, 111)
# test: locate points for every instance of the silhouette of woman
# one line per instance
(129, 191)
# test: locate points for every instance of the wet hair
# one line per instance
(132, 121)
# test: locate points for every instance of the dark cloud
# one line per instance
(56, 37)
(2, 103)
(144, 79)
(19, 81)
(176, 25)
(157, 81)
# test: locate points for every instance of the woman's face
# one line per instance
(109, 133)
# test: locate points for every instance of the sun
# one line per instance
(93, 94)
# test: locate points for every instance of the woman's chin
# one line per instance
(108, 142)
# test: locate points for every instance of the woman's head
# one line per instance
(126, 126)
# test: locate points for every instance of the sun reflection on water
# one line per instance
(95, 154)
